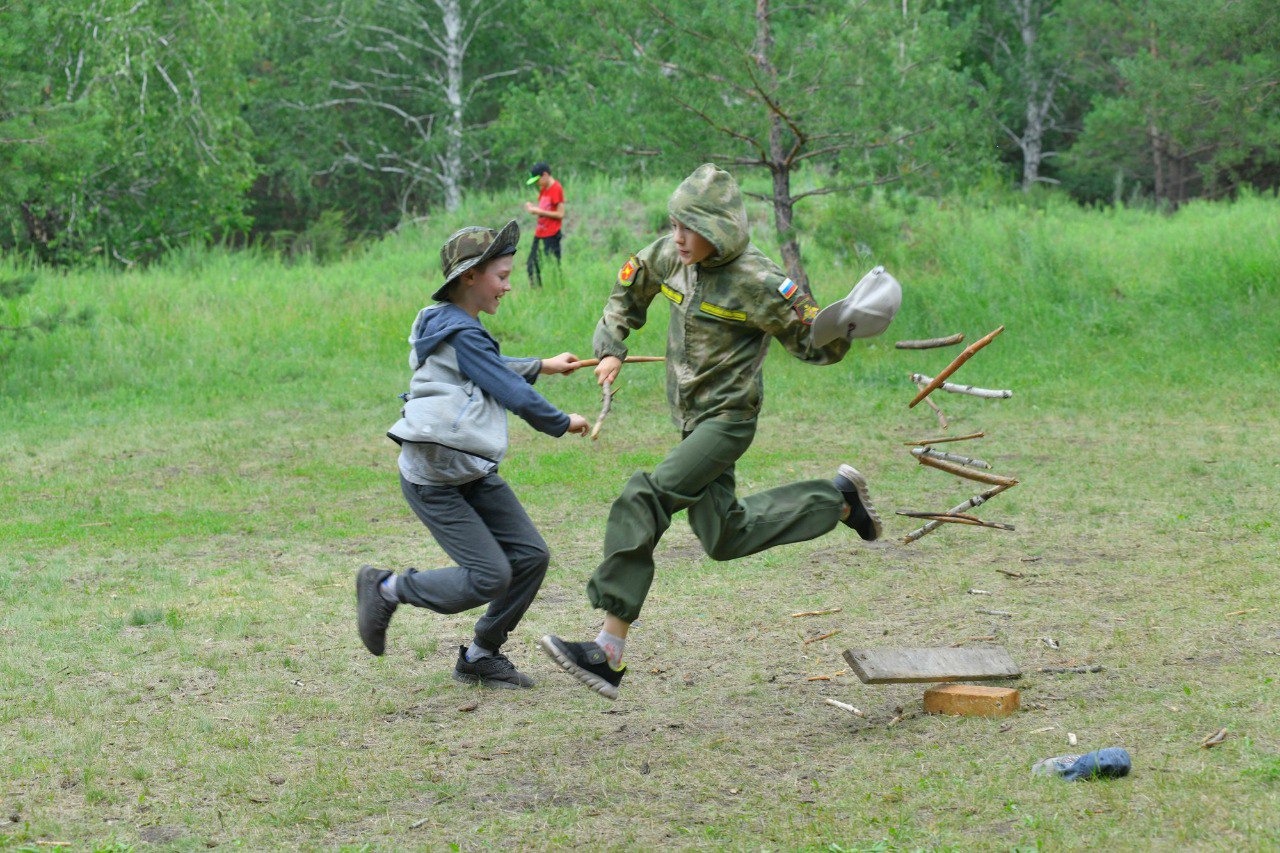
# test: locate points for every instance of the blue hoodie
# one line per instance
(448, 342)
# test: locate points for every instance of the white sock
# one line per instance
(388, 589)
(476, 651)
(612, 646)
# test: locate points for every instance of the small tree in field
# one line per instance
(857, 91)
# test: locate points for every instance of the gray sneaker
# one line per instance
(373, 612)
(497, 670)
(862, 515)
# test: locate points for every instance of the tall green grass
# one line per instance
(1092, 299)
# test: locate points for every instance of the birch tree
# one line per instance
(119, 128)
(417, 63)
(1029, 69)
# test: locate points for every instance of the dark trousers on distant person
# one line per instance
(542, 245)
(501, 558)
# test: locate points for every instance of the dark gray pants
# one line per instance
(501, 558)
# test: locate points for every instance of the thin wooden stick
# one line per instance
(631, 359)
(931, 343)
(816, 612)
(942, 419)
(951, 387)
(957, 518)
(950, 457)
(954, 366)
(975, 501)
(967, 473)
(606, 404)
(943, 439)
(1075, 669)
(823, 637)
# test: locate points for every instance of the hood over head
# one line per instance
(710, 203)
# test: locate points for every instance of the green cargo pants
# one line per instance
(697, 475)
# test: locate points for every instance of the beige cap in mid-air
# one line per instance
(864, 313)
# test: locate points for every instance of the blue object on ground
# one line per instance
(1111, 763)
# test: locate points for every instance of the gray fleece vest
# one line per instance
(446, 408)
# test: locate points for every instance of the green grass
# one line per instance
(190, 483)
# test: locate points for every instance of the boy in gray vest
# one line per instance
(452, 437)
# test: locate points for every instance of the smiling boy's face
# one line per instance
(484, 286)
(692, 247)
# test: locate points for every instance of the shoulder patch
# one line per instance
(628, 270)
(806, 309)
(788, 289)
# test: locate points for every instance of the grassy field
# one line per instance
(190, 484)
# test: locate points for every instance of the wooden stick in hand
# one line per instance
(606, 404)
(631, 359)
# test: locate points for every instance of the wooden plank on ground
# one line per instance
(903, 666)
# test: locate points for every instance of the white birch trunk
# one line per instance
(455, 53)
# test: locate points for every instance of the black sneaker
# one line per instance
(494, 671)
(373, 612)
(862, 515)
(586, 662)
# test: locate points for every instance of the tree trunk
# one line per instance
(778, 162)
(451, 164)
(1153, 132)
(1032, 141)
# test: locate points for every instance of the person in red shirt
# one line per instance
(550, 213)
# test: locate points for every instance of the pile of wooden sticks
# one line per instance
(959, 465)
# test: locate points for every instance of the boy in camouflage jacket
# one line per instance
(727, 300)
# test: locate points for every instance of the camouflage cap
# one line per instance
(471, 246)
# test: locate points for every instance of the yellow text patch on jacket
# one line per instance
(724, 313)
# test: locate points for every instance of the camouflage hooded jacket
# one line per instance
(724, 310)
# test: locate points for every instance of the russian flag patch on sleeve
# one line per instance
(787, 289)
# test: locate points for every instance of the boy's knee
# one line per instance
(536, 559)
(494, 583)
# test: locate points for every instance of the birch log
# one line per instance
(975, 501)
(931, 343)
(951, 387)
(949, 457)
(955, 365)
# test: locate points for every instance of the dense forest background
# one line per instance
(128, 127)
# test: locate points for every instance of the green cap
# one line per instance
(536, 172)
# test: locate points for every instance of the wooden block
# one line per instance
(905, 666)
(971, 700)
